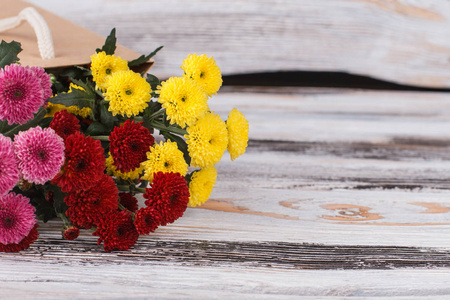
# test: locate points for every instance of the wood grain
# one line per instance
(272, 255)
(133, 281)
(402, 41)
(341, 193)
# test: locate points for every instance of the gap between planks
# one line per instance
(271, 255)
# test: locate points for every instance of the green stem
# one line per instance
(157, 114)
(66, 221)
(32, 123)
(160, 126)
(126, 188)
(100, 93)
(103, 138)
(126, 209)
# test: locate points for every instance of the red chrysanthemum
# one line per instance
(169, 195)
(71, 233)
(116, 230)
(87, 207)
(129, 144)
(146, 220)
(84, 164)
(65, 124)
(23, 244)
(128, 201)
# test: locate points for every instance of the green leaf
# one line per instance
(8, 53)
(32, 123)
(165, 119)
(110, 44)
(143, 184)
(153, 80)
(76, 72)
(58, 198)
(37, 196)
(87, 86)
(46, 122)
(181, 143)
(76, 97)
(153, 106)
(143, 59)
(59, 87)
(4, 127)
(97, 128)
(45, 212)
(106, 117)
(188, 177)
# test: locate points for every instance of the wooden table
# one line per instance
(342, 193)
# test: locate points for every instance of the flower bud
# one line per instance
(71, 233)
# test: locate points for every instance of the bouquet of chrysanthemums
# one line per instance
(79, 145)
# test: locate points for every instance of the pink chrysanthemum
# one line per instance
(45, 82)
(16, 218)
(23, 244)
(9, 170)
(40, 153)
(21, 94)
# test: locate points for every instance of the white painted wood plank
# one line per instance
(404, 41)
(37, 280)
(287, 195)
(340, 115)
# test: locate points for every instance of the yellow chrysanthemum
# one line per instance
(207, 140)
(164, 157)
(103, 66)
(201, 185)
(183, 99)
(74, 86)
(53, 108)
(112, 171)
(128, 93)
(203, 70)
(83, 112)
(237, 126)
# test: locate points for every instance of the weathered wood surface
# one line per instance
(404, 41)
(342, 193)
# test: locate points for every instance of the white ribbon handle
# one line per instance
(43, 34)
